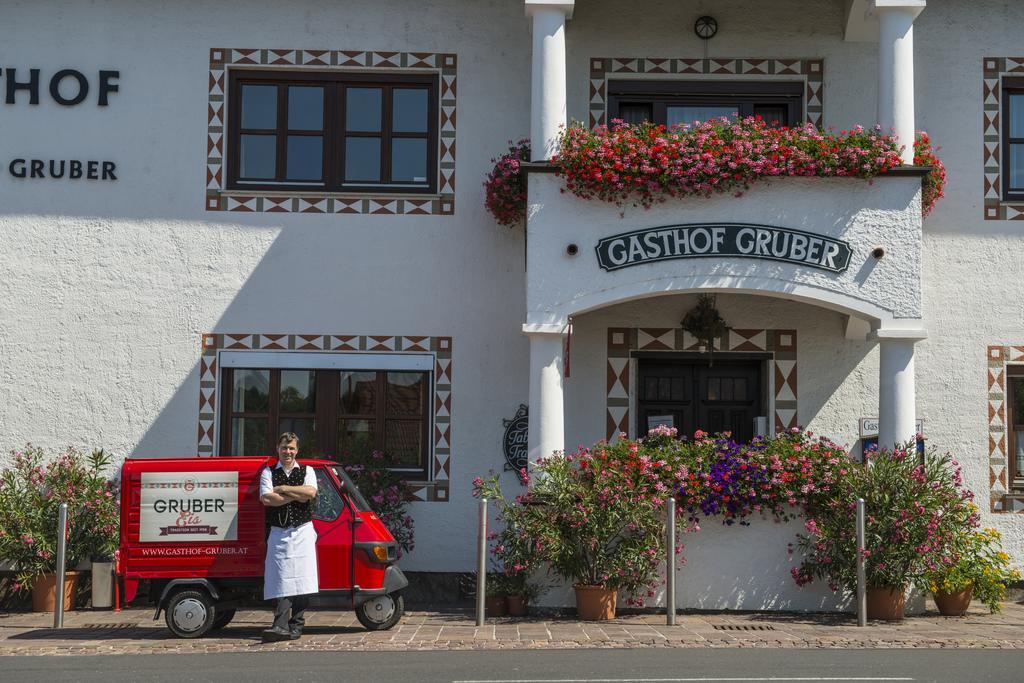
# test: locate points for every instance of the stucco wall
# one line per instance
(108, 286)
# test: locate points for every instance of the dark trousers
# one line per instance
(295, 605)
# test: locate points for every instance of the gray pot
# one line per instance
(102, 585)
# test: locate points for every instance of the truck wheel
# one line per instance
(222, 619)
(381, 613)
(190, 613)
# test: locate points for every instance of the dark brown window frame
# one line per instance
(744, 94)
(1014, 373)
(1010, 86)
(334, 132)
(328, 412)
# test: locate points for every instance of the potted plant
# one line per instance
(977, 567)
(31, 491)
(494, 600)
(914, 509)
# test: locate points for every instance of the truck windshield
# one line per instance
(350, 488)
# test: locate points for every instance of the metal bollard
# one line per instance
(862, 596)
(58, 588)
(481, 563)
(670, 564)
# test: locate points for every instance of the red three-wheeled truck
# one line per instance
(194, 528)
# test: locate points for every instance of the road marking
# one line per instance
(685, 680)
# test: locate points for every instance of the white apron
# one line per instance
(290, 567)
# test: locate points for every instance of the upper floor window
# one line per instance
(336, 132)
(670, 103)
(1013, 139)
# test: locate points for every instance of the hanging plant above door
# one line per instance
(705, 323)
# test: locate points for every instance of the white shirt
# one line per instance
(267, 484)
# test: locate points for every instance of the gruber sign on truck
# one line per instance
(723, 239)
(188, 506)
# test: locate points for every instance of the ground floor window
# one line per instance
(1015, 422)
(337, 412)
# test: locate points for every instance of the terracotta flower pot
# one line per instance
(44, 591)
(595, 603)
(953, 604)
(886, 603)
(516, 605)
(495, 606)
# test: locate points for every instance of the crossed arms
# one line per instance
(284, 494)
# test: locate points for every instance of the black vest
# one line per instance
(292, 514)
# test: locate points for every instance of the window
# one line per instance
(332, 132)
(327, 505)
(1013, 139)
(1015, 424)
(335, 412)
(681, 102)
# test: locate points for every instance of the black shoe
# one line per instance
(273, 635)
(295, 632)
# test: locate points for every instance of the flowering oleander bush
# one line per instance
(644, 164)
(385, 491)
(31, 492)
(975, 560)
(915, 508)
(506, 186)
(934, 186)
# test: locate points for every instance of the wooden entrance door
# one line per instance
(689, 395)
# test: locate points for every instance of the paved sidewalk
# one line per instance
(134, 632)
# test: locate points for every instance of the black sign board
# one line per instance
(514, 442)
(704, 240)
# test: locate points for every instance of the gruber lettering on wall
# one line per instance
(702, 240)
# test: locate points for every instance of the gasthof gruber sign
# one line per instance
(188, 506)
(703, 240)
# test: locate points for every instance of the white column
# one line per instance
(896, 69)
(547, 405)
(548, 101)
(897, 418)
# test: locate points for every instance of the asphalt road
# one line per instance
(532, 666)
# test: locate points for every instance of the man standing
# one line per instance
(290, 574)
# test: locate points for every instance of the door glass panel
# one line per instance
(358, 393)
(664, 388)
(303, 428)
(408, 160)
(259, 106)
(363, 109)
(714, 388)
(305, 157)
(635, 113)
(726, 394)
(298, 391)
(305, 108)
(409, 110)
(249, 436)
(650, 388)
(1016, 153)
(405, 393)
(772, 114)
(257, 156)
(403, 442)
(355, 437)
(328, 504)
(688, 114)
(362, 159)
(250, 391)
(1017, 116)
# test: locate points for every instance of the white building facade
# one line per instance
(225, 221)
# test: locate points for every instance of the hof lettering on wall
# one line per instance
(515, 441)
(702, 240)
(177, 507)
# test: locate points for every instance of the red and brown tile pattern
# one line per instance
(436, 488)
(994, 69)
(811, 71)
(222, 59)
(622, 341)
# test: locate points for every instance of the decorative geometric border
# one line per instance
(217, 199)
(441, 347)
(998, 358)
(622, 341)
(602, 68)
(994, 68)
